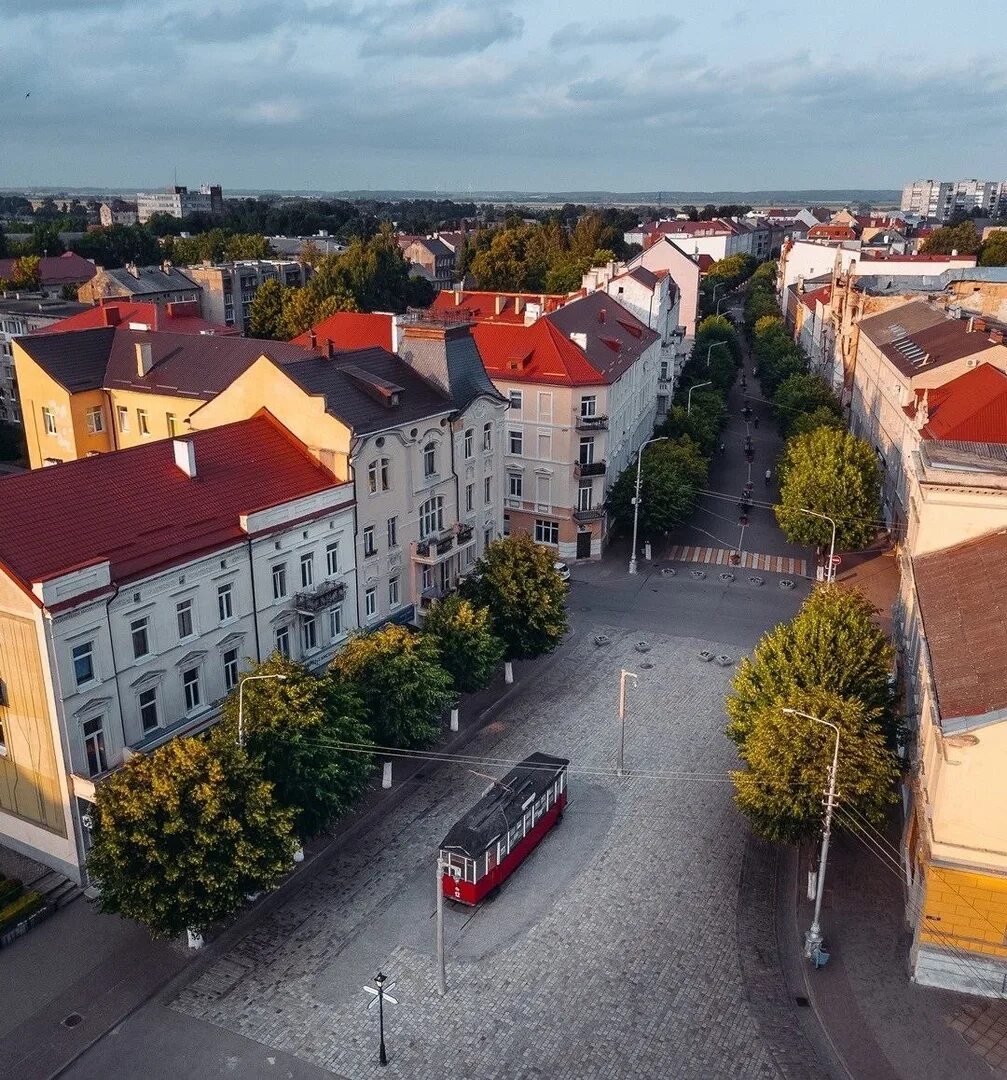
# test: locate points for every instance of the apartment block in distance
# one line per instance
(939, 200)
(179, 202)
(228, 289)
(134, 590)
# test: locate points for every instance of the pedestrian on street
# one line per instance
(769, 476)
(722, 448)
(756, 422)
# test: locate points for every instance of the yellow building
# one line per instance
(112, 387)
(955, 652)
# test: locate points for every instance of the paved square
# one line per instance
(610, 952)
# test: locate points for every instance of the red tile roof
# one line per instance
(832, 232)
(66, 269)
(349, 330)
(810, 299)
(704, 262)
(179, 318)
(882, 256)
(482, 306)
(971, 408)
(137, 509)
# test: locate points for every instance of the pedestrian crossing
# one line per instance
(714, 556)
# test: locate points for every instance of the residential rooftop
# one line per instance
(180, 317)
(349, 330)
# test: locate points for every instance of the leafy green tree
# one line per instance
(12, 445)
(183, 834)
(26, 272)
(702, 425)
(994, 250)
(788, 759)
(467, 647)
(291, 728)
(399, 677)
(823, 416)
(4, 245)
(120, 244)
(516, 580)
(963, 238)
(799, 395)
(266, 318)
(669, 483)
(247, 246)
(835, 473)
(832, 644)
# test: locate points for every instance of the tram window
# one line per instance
(502, 850)
(491, 859)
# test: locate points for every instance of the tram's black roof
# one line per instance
(504, 802)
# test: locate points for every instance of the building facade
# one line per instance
(201, 557)
(939, 200)
(228, 289)
(164, 284)
(178, 202)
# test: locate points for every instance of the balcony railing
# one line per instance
(431, 595)
(434, 548)
(321, 596)
(594, 513)
(464, 532)
(592, 423)
(589, 468)
(444, 544)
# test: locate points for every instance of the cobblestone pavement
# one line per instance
(610, 953)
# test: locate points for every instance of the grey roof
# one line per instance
(448, 356)
(616, 338)
(356, 386)
(55, 309)
(435, 247)
(150, 279)
(76, 360)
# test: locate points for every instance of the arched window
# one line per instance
(468, 443)
(430, 459)
(432, 517)
(487, 436)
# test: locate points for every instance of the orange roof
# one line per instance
(832, 232)
(971, 408)
(493, 306)
(349, 330)
(538, 353)
(809, 299)
(182, 317)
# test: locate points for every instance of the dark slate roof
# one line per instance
(447, 356)
(616, 338)
(352, 384)
(503, 805)
(185, 365)
(150, 279)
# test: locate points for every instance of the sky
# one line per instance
(530, 95)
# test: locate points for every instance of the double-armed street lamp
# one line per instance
(636, 496)
(830, 577)
(813, 938)
(241, 702)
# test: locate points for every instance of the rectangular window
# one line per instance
(516, 398)
(141, 639)
(225, 604)
(230, 669)
(279, 581)
(585, 496)
(589, 405)
(307, 570)
(469, 491)
(94, 746)
(428, 577)
(369, 548)
(48, 420)
(429, 460)
(393, 592)
(370, 602)
(283, 641)
(469, 437)
(332, 559)
(335, 623)
(543, 492)
(516, 442)
(488, 490)
(170, 424)
(488, 436)
(141, 422)
(83, 663)
(193, 693)
(95, 420)
(309, 633)
(393, 533)
(122, 413)
(431, 517)
(183, 617)
(377, 476)
(544, 446)
(544, 407)
(515, 485)
(586, 450)
(546, 532)
(148, 709)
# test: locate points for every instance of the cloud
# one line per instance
(641, 31)
(598, 89)
(280, 111)
(435, 29)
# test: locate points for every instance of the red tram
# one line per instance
(491, 840)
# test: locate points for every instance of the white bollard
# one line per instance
(508, 672)
(299, 855)
(646, 551)
(812, 884)
(195, 939)
(454, 719)
(386, 776)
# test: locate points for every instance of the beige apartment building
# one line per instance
(228, 289)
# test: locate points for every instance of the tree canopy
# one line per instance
(832, 472)
(994, 249)
(466, 646)
(515, 578)
(963, 238)
(671, 474)
(800, 395)
(182, 835)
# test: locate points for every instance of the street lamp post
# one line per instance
(715, 345)
(636, 497)
(832, 546)
(813, 938)
(241, 702)
(688, 403)
(713, 299)
(380, 980)
(623, 676)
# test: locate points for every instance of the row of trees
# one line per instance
(830, 661)
(184, 834)
(723, 276)
(371, 275)
(965, 239)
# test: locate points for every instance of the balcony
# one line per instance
(592, 423)
(431, 595)
(594, 513)
(589, 468)
(435, 548)
(321, 596)
(464, 533)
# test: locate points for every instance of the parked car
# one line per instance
(562, 569)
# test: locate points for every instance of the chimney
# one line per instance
(601, 315)
(313, 339)
(518, 305)
(166, 266)
(185, 456)
(980, 325)
(133, 269)
(144, 357)
(579, 339)
(110, 315)
(499, 303)
(458, 298)
(997, 337)
(330, 348)
(972, 321)
(954, 253)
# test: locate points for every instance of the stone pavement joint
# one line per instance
(770, 564)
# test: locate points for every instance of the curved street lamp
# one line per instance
(832, 546)
(636, 495)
